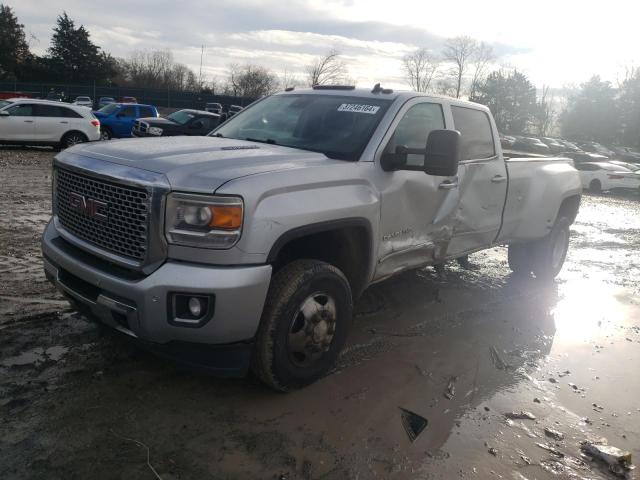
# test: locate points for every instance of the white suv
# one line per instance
(28, 121)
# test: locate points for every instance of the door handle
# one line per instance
(498, 179)
(28, 121)
(448, 184)
(64, 122)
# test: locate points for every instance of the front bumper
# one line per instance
(138, 305)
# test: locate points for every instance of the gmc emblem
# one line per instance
(89, 206)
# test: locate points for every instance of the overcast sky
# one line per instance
(555, 42)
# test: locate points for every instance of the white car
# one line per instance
(83, 102)
(598, 176)
(27, 121)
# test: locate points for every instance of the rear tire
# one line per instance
(551, 251)
(595, 186)
(73, 138)
(105, 133)
(544, 257)
(304, 325)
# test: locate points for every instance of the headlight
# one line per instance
(203, 221)
(154, 131)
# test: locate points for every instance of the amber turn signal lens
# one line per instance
(226, 217)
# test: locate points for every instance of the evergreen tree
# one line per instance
(14, 50)
(592, 114)
(74, 58)
(511, 98)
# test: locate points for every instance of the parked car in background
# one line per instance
(55, 96)
(554, 145)
(507, 141)
(213, 107)
(128, 100)
(117, 118)
(581, 157)
(595, 147)
(105, 101)
(230, 112)
(83, 102)
(625, 153)
(530, 144)
(599, 176)
(634, 167)
(182, 122)
(27, 121)
(569, 146)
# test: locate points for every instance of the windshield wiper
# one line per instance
(270, 141)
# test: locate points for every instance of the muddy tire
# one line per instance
(520, 260)
(595, 186)
(551, 251)
(304, 325)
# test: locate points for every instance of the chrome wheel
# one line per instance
(104, 134)
(312, 329)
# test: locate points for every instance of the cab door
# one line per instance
(19, 125)
(416, 213)
(482, 179)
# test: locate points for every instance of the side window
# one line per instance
(476, 136)
(146, 112)
(414, 128)
(68, 113)
(47, 111)
(128, 112)
(22, 110)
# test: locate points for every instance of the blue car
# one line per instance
(116, 119)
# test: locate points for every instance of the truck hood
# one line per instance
(200, 164)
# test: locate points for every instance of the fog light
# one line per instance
(189, 310)
(195, 306)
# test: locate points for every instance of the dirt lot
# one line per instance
(457, 350)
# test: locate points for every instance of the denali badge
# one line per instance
(89, 206)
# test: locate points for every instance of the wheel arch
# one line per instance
(73, 130)
(345, 243)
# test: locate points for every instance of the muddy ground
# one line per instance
(458, 350)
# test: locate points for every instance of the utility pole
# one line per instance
(200, 76)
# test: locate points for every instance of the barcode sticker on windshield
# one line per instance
(355, 107)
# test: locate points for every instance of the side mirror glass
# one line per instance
(443, 153)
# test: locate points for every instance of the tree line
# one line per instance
(597, 110)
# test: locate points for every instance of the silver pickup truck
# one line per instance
(247, 248)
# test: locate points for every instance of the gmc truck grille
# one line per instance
(113, 217)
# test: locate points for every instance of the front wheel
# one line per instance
(304, 324)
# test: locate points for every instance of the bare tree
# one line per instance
(420, 68)
(327, 70)
(157, 69)
(459, 51)
(288, 80)
(545, 113)
(251, 81)
(482, 57)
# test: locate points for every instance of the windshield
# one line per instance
(338, 126)
(109, 108)
(181, 116)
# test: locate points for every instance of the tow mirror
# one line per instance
(443, 153)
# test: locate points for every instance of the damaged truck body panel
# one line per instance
(256, 240)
